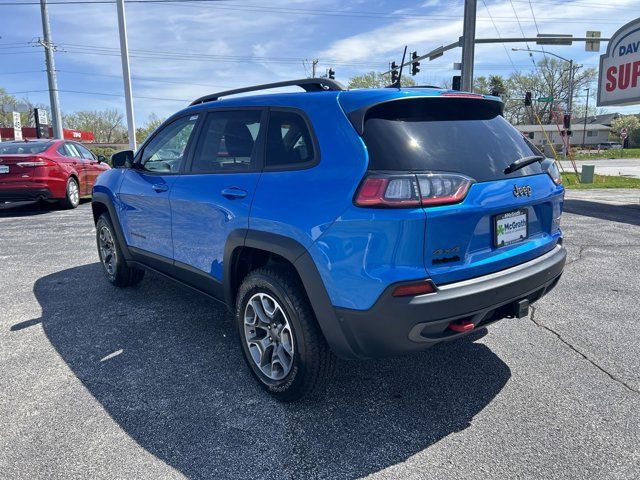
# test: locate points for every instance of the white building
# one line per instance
(595, 134)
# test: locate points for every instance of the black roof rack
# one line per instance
(308, 84)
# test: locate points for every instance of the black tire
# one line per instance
(113, 264)
(313, 362)
(72, 196)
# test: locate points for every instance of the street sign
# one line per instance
(543, 40)
(42, 125)
(15, 107)
(592, 45)
(545, 99)
(17, 126)
(619, 75)
(623, 133)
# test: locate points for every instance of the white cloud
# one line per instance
(351, 45)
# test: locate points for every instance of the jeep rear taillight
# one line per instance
(412, 190)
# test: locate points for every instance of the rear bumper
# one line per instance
(399, 325)
(24, 194)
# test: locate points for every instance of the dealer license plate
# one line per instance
(510, 227)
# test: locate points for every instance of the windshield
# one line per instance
(462, 135)
(14, 148)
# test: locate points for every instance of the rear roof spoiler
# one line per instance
(358, 117)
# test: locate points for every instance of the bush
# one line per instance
(106, 151)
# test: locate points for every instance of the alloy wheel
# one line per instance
(268, 335)
(108, 254)
(73, 192)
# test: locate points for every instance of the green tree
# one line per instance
(495, 84)
(377, 80)
(550, 79)
(632, 124)
(153, 122)
(107, 125)
(27, 118)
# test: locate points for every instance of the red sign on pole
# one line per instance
(623, 133)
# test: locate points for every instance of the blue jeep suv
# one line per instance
(333, 222)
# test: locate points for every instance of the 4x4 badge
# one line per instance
(521, 191)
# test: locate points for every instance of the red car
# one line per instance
(51, 170)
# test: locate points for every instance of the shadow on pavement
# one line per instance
(28, 209)
(616, 213)
(165, 365)
(25, 209)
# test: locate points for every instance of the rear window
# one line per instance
(462, 135)
(16, 148)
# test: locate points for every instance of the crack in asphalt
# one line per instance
(565, 342)
(582, 248)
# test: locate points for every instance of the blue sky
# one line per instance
(181, 51)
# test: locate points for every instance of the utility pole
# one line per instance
(56, 115)
(314, 64)
(586, 112)
(126, 75)
(468, 44)
(570, 99)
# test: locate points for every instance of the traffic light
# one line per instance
(394, 73)
(331, 73)
(566, 121)
(456, 83)
(527, 99)
(415, 65)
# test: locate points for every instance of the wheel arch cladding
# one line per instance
(297, 256)
(102, 203)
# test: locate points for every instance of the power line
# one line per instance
(101, 2)
(498, 33)
(295, 11)
(533, 15)
(523, 34)
(142, 79)
(22, 72)
(357, 14)
(103, 94)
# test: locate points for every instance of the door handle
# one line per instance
(160, 187)
(233, 192)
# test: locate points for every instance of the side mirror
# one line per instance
(102, 158)
(122, 159)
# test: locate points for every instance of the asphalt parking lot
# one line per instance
(97, 382)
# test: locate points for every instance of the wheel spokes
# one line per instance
(268, 336)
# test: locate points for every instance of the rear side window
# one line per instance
(68, 150)
(289, 142)
(461, 135)
(227, 142)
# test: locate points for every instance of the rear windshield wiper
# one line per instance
(523, 162)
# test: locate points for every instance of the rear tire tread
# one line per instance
(319, 361)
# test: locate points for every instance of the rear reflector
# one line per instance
(461, 326)
(419, 288)
(412, 190)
